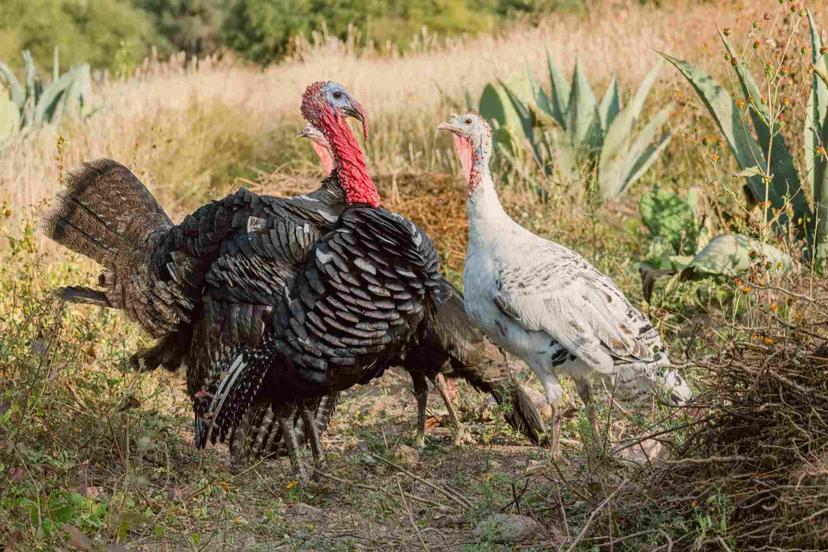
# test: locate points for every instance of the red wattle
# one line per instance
(353, 172)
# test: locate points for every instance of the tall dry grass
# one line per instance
(183, 128)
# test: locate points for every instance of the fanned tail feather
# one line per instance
(108, 215)
(105, 212)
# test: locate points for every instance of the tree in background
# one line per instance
(90, 31)
(262, 30)
(118, 34)
(193, 26)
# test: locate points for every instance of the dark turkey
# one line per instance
(357, 306)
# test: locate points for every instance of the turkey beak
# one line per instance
(449, 127)
(356, 111)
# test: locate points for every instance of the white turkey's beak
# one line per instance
(449, 127)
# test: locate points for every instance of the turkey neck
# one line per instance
(348, 161)
(487, 218)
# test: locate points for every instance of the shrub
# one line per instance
(192, 26)
(91, 31)
(765, 160)
(263, 30)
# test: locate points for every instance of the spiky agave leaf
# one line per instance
(34, 89)
(642, 153)
(492, 106)
(50, 103)
(16, 91)
(614, 156)
(817, 112)
(559, 92)
(496, 106)
(728, 118)
(583, 124)
(816, 134)
(524, 116)
(610, 104)
(527, 123)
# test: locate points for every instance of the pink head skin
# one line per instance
(325, 105)
(320, 146)
(473, 143)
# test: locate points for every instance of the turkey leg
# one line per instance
(313, 436)
(460, 435)
(421, 394)
(285, 416)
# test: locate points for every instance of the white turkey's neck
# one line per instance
(484, 209)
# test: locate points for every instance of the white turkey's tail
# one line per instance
(675, 386)
(659, 378)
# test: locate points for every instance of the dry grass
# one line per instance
(170, 122)
(753, 471)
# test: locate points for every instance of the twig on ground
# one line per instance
(595, 513)
(707, 460)
(411, 517)
(453, 495)
(381, 491)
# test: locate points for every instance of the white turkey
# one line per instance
(544, 303)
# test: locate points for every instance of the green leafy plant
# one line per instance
(670, 218)
(34, 103)
(763, 156)
(49, 513)
(567, 130)
(680, 243)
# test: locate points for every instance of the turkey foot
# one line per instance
(313, 437)
(460, 436)
(285, 416)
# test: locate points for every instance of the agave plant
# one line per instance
(763, 156)
(33, 103)
(816, 141)
(681, 246)
(569, 131)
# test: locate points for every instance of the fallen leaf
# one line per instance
(77, 539)
(433, 421)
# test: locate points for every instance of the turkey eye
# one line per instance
(468, 121)
(337, 95)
